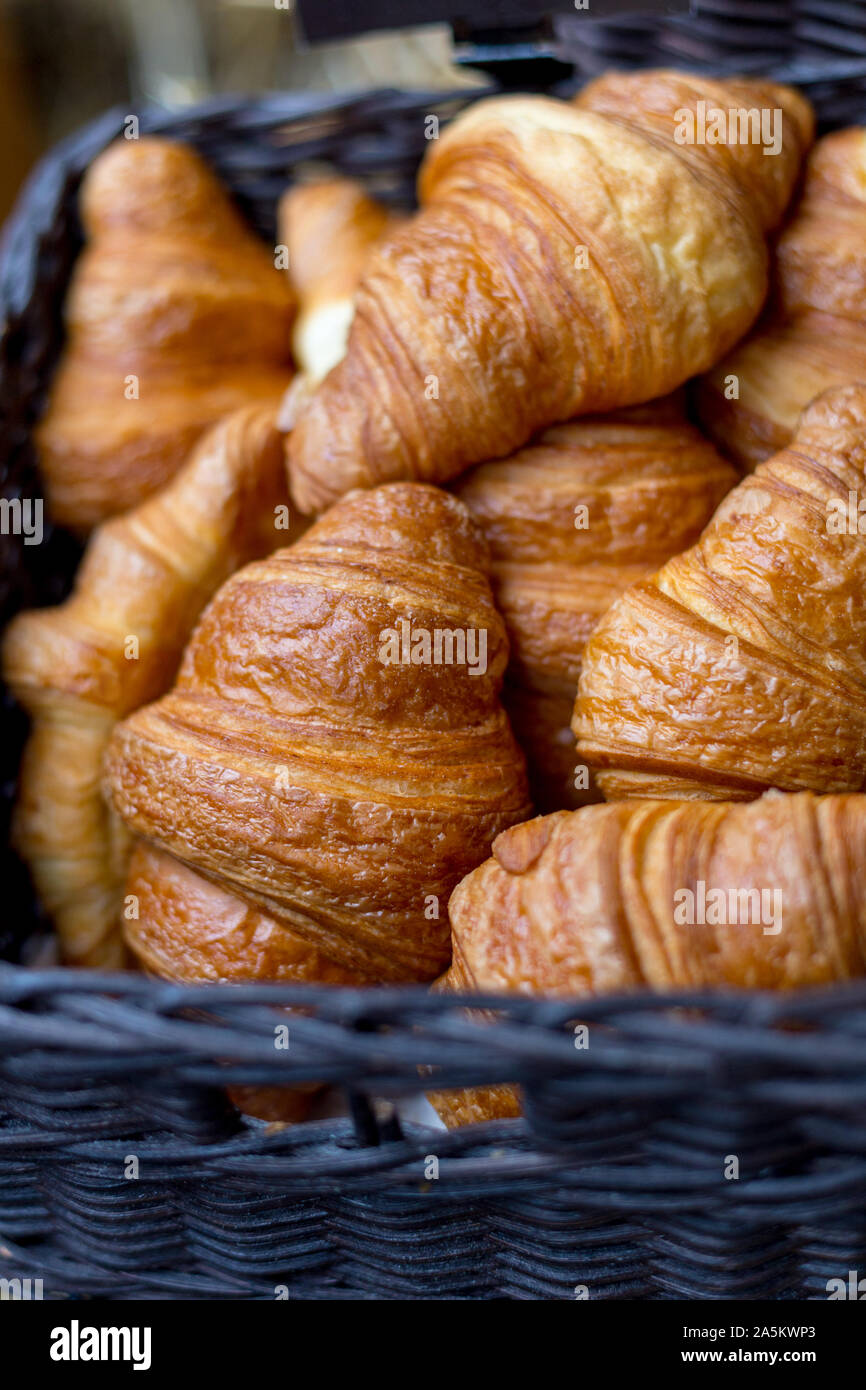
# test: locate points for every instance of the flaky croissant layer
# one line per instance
(309, 764)
(741, 665)
(669, 895)
(572, 520)
(567, 259)
(182, 926)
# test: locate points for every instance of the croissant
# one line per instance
(741, 664)
(815, 336)
(114, 645)
(176, 316)
(329, 228)
(572, 520)
(662, 896)
(567, 259)
(334, 753)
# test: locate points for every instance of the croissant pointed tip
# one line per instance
(518, 848)
(175, 316)
(841, 407)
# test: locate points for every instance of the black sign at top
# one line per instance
(336, 19)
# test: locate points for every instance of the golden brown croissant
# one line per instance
(741, 665)
(815, 336)
(334, 752)
(663, 896)
(184, 927)
(567, 259)
(175, 317)
(115, 644)
(329, 228)
(572, 520)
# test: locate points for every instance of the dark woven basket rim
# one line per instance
(391, 1032)
(20, 984)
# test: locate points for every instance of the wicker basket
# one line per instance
(125, 1173)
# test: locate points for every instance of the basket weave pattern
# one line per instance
(614, 1180)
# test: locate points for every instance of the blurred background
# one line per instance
(65, 61)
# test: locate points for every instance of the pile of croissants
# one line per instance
(425, 535)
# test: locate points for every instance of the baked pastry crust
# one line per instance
(741, 665)
(573, 520)
(186, 927)
(172, 299)
(567, 259)
(339, 792)
(814, 336)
